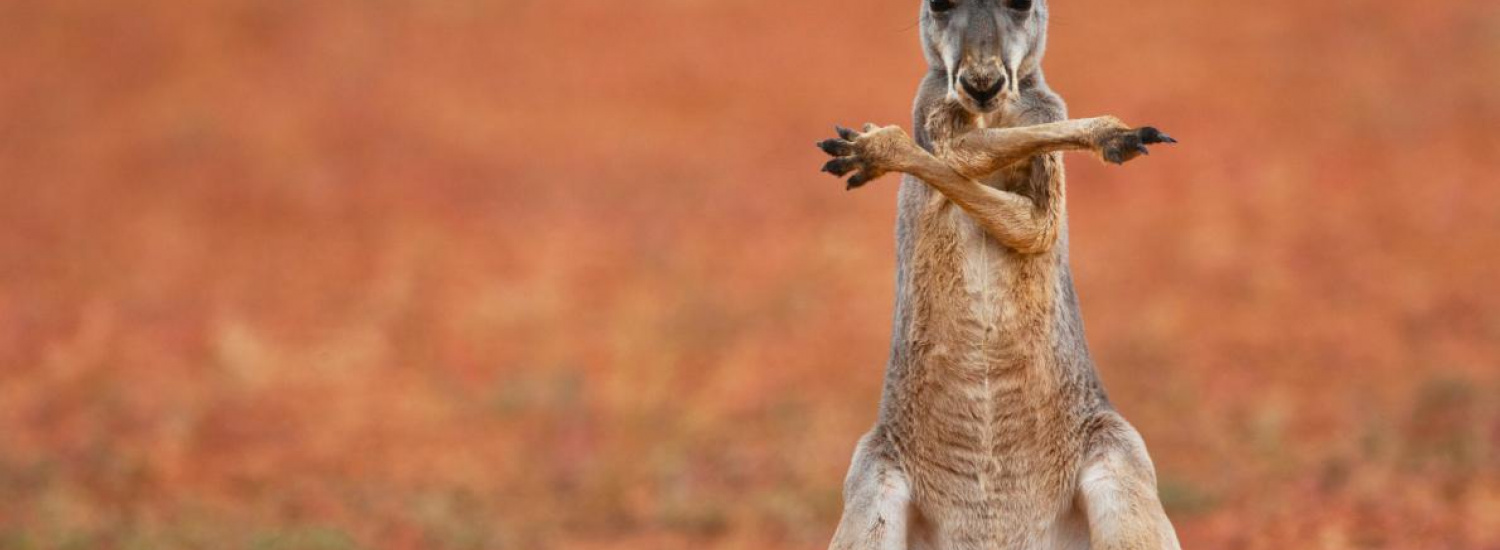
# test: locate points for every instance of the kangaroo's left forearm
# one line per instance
(984, 151)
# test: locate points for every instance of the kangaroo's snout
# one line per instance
(982, 85)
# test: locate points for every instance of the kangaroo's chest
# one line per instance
(970, 294)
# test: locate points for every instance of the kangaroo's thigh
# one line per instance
(1117, 492)
(877, 500)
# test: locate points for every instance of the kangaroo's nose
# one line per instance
(982, 88)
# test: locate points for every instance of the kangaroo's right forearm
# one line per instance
(986, 150)
(1012, 219)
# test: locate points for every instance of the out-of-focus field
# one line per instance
(529, 274)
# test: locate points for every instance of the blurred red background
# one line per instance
(563, 274)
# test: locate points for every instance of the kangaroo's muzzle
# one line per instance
(982, 88)
(982, 82)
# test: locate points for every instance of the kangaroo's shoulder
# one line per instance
(1038, 104)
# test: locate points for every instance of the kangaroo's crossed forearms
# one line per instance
(1013, 219)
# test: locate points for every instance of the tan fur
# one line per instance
(994, 432)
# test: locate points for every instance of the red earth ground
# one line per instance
(562, 274)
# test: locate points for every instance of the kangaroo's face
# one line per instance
(987, 48)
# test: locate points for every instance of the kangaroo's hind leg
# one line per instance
(1117, 491)
(877, 500)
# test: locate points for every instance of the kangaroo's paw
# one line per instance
(868, 154)
(1118, 145)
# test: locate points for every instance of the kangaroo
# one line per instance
(994, 431)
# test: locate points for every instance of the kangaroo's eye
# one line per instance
(941, 5)
(1021, 5)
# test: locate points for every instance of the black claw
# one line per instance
(857, 180)
(836, 147)
(1152, 135)
(1142, 148)
(840, 166)
(847, 134)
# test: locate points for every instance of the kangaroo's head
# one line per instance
(987, 48)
